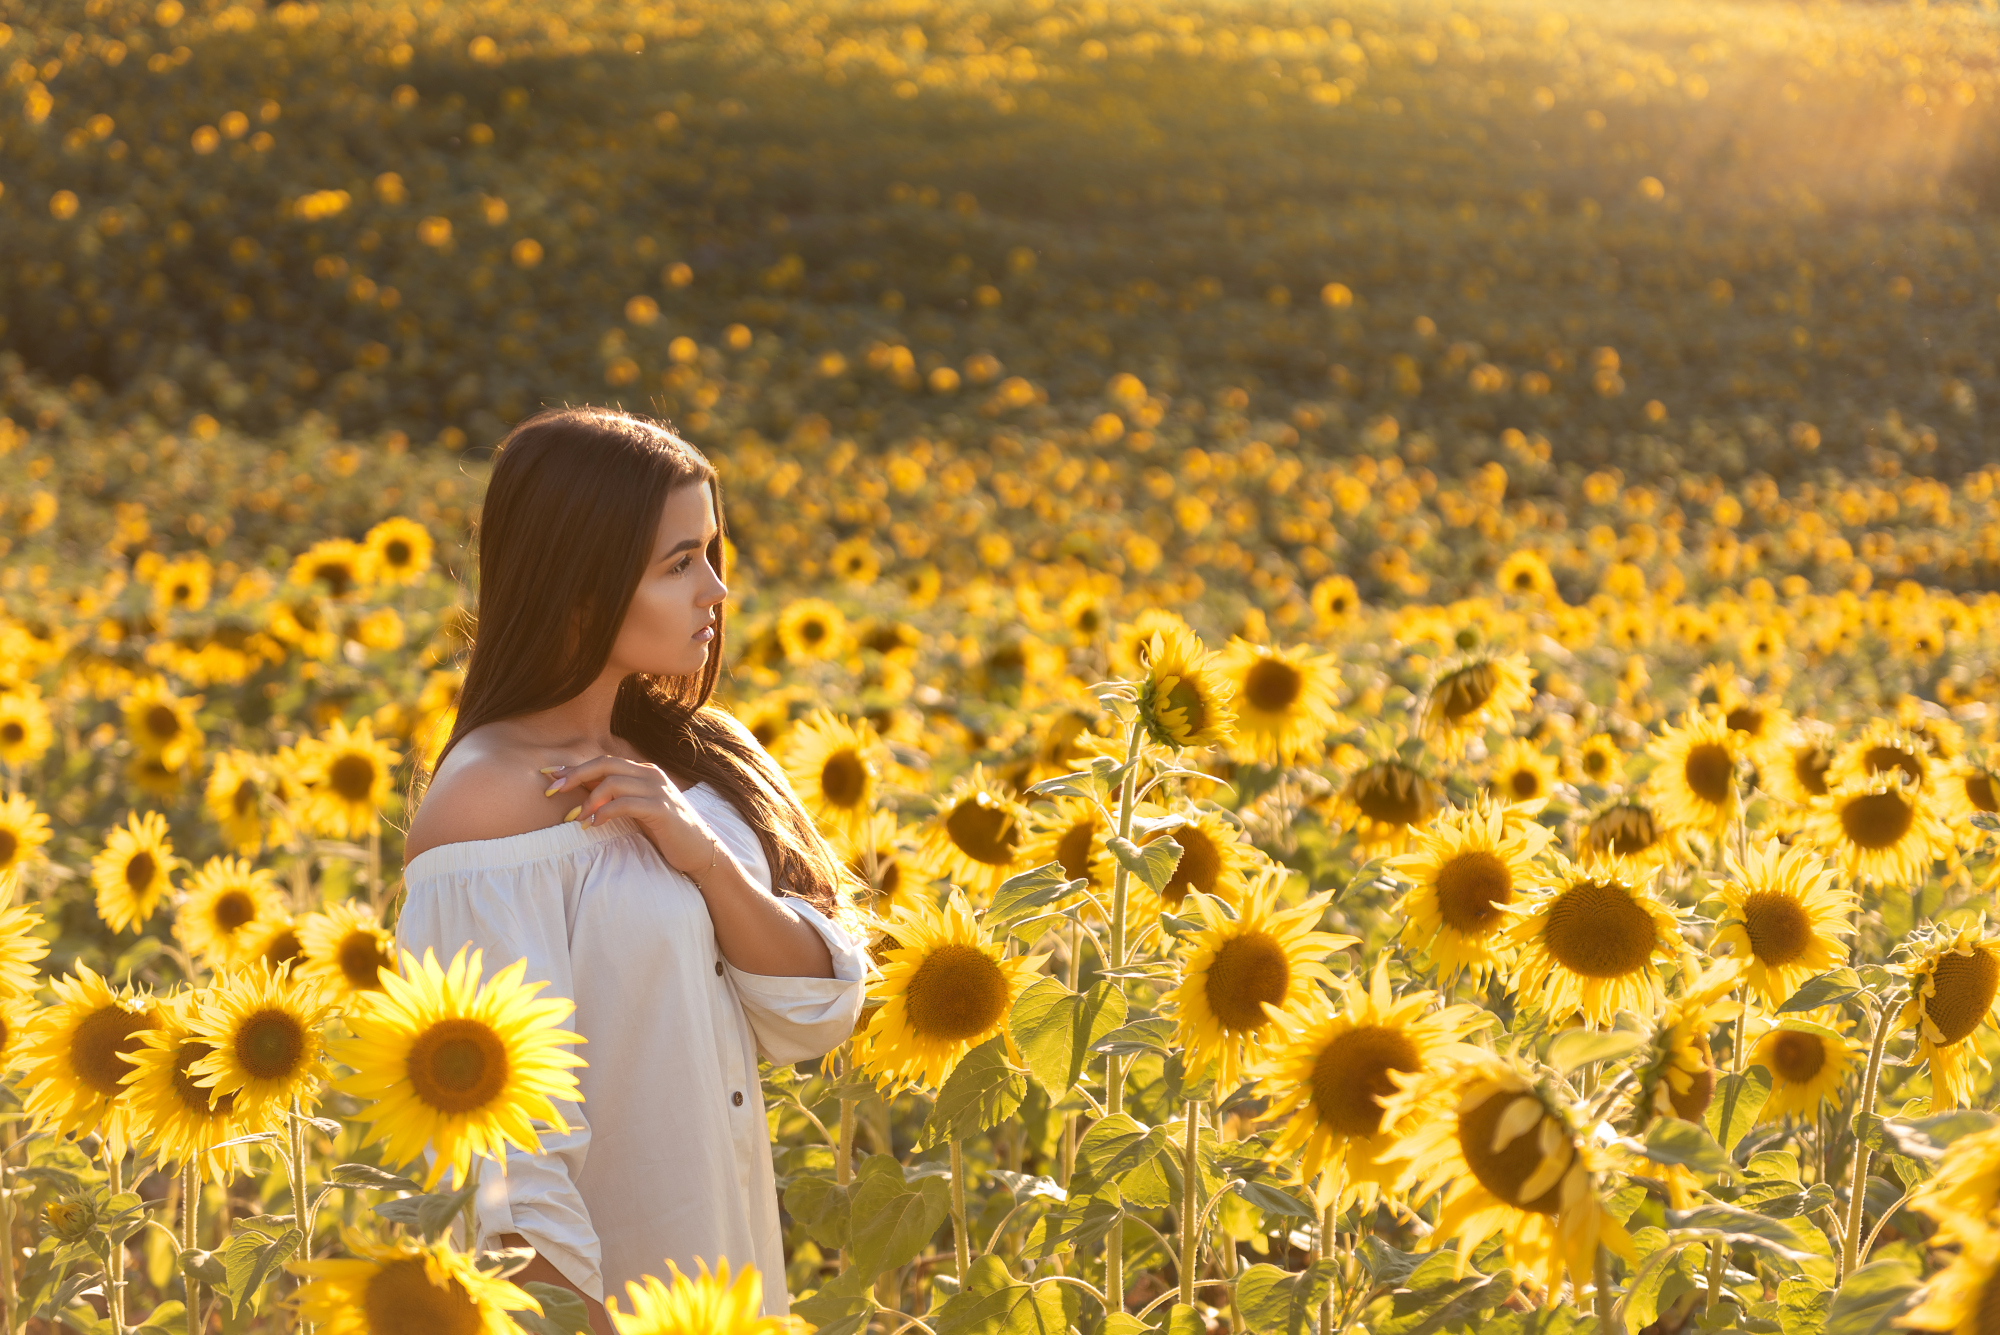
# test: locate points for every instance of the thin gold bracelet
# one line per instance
(715, 845)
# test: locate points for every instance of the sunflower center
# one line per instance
(1200, 867)
(1596, 764)
(1796, 1057)
(1882, 759)
(1273, 685)
(1389, 794)
(98, 1053)
(194, 1097)
(282, 948)
(232, 909)
(10, 844)
(244, 799)
(1599, 930)
(1467, 690)
(1809, 767)
(360, 956)
(1877, 820)
(1504, 1171)
(1351, 1077)
(1963, 989)
(1247, 970)
(1073, 848)
(1524, 783)
(270, 1044)
(843, 779)
(1778, 925)
(13, 732)
(983, 832)
(1625, 831)
(139, 871)
(401, 1300)
(398, 552)
(1470, 888)
(458, 1065)
(1710, 772)
(162, 722)
(336, 576)
(1979, 791)
(958, 992)
(812, 630)
(1745, 718)
(352, 776)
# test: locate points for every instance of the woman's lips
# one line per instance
(705, 633)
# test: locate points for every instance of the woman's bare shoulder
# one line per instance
(489, 787)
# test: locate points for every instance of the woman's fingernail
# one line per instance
(573, 811)
(550, 791)
(548, 769)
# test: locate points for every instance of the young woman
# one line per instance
(593, 813)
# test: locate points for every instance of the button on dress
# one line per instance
(669, 1154)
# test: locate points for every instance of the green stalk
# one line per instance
(1605, 1324)
(1850, 1242)
(961, 1239)
(1114, 1066)
(1190, 1204)
(1327, 1220)
(6, 1249)
(190, 1234)
(295, 1164)
(114, 1260)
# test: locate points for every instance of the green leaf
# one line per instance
(993, 1302)
(563, 1311)
(844, 1298)
(1743, 1223)
(819, 1205)
(1827, 989)
(1178, 1319)
(1116, 1145)
(1802, 1307)
(983, 1090)
(1673, 1141)
(1434, 1298)
(1272, 1301)
(137, 956)
(1153, 864)
(1054, 1029)
(1738, 1099)
(431, 1213)
(369, 1176)
(892, 1220)
(250, 1260)
(1020, 895)
(1155, 1033)
(1573, 1048)
(1274, 1200)
(1872, 1297)
(204, 1266)
(1079, 784)
(169, 1318)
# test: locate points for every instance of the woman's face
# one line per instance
(678, 592)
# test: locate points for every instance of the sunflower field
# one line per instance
(1397, 604)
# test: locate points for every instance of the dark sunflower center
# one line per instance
(1778, 925)
(458, 1065)
(1596, 764)
(163, 722)
(1710, 772)
(1796, 1057)
(140, 869)
(335, 575)
(402, 1300)
(1809, 767)
(1524, 783)
(352, 775)
(282, 948)
(1471, 887)
(1506, 1170)
(360, 957)
(10, 844)
(958, 992)
(1390, 794)
(1467, 690)
(193, 1097)
(1964, 989)
(103, 1042)
(843, 779)
(244, 800)
(1272, 685)
(1599, 930)
(1247, 969)
(13, 732)
(1625, 831)
(983, 831)
(1351, 1077)
(1745, 718)
(398, 551)
(270, 1044)
(1980, 792)
(1200, 867)
(232, 909)
(1882, 759)
(1073, 848)
(812, 630)
(1877, 820)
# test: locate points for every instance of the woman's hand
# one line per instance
(539, 1270)
(612, 786)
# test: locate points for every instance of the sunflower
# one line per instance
(399, 550)
(1968, 788)
(1336, 603)
(1511, 1158)
(23, 831)
(1964, 1296)
(333, 566)
(245, 796)
(161, 725)
(459, 1066)
(1600, 760)
(1526, 575)
(1085, 614)
(1808, 1061)
(185, 1121)
(264, 1025)
(1337, 1061)
(1070, 832)
(1629, 830)
(277, 943)
(1384, 802)
(1132, 640)
(405, 1287)
(1884, 748)
(811, 628)
(945, 989)
(1185, 699)
(344, 949)
(133, 871)
(898, 876)
(1795, 768)
(75, 1055)
(1239, 973)
(1879, 831)
(1214, 860)
(20, 948)
(25, 730)
(1522, 772)
(1286, 701)
(835, 766)
(976, 834)
(1965, 1190)
(1693, 787)
(1677, 1074)
(347, 778)
(1954, 978)
(1466, 701)
(1783, 912)
(229, 908)
(704, 1305)
(1759, 727)
(183, 585)
(1592, 941)
(1468, 866)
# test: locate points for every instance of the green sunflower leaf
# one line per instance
(1573, 1048)
(1827, 989)
(563, 1311)
(1054, 1028)
(983, 1090)
(1153, 864)
(1871, 1299)
(1673, 1141)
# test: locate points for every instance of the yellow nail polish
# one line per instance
(550, 791)
(548, 769)
(574, 812)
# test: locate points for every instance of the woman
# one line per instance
(593, 813)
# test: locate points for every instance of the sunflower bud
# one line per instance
(71, 1218)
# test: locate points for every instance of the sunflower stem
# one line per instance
(114, 1260)
(7, 1247)
(1857, 1193)
(1190, 1203)
(296, 1163)
(1114, 1066)
(1328, 1218)
(961, 1239)
(190, 1234)
(1606, 1325)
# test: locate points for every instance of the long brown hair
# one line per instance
(565, 531)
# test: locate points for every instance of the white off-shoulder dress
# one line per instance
(669, 1155)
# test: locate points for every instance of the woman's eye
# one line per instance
(686, 561)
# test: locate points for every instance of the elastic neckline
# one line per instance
(512, 850)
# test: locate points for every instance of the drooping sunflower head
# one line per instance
(1522, 772)
(134, 870)
(76, 1054)
(834, 766)
(1694, 785)
(1469, 865)
(1286, 701)
(976, 834)
(1809, 1062)
(265, 1028)
(400, 550)
(810, 629)
(702, 1305)
(1785, 912)
(405, 1287)
(1384, 802)
(1185, 699)
(1880, 830)
(1954, 975)
(1466, 700)
(945, 989)
(345, 950)
(1593, 940)
(458, 1065)
(1214, 858)
(347, 774)
(23, 831)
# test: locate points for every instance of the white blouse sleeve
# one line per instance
(511, 913)
(795, 1018)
